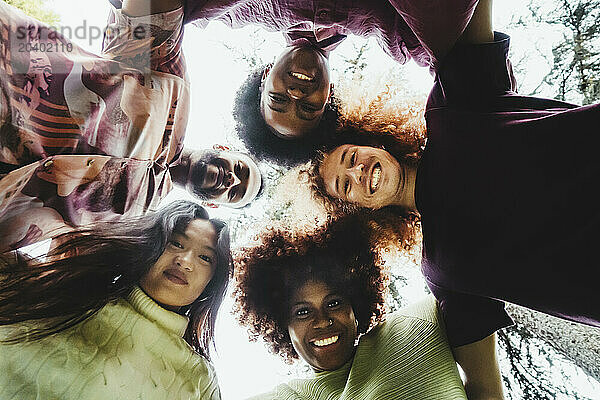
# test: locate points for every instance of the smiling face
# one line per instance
(322, 326)
(363, 175)
(295, 91)
(225, 177)
(185, 267)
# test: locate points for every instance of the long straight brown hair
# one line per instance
(94, 266)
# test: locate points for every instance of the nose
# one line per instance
(184, 260)
(232, 179)
(296, 92)
(322, 320)
(355, 173)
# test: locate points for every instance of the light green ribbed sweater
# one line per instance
(406, 357)
(131, 349)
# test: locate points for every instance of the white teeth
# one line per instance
(300, 76)
(375, 178)
(326, 342)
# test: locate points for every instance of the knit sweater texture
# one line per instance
(405, 357)
(130, 349)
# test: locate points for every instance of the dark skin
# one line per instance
(295, 90)
(322, 326)
(234, 180)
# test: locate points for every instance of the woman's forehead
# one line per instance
(201, 231)
(311, 291)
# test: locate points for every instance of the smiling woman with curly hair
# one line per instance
(268, 274)
(320, 297)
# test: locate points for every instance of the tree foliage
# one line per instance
(37, 9)
(575, 58)
(542, 355)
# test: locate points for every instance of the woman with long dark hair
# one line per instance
(122, 310)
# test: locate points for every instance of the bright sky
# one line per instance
(246, 368)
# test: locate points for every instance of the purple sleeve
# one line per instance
(324, 38)
(437, 24)
(469, 318)
(472, 75)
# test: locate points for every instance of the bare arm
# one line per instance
(138, 8)
(482, 374)
(479, 29)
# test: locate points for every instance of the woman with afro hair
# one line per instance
(286, 109)
(320, 297)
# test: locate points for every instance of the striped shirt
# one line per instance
(87, 137)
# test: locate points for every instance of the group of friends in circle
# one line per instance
(498, 187)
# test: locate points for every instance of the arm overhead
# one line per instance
(479, 29)
(138, 8)
(482, 374)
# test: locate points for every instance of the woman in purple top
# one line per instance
(505, 189)
(284, 110)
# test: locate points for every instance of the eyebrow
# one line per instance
(210, 248)
(275, 109)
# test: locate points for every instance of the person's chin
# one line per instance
(330, 358)
(330, 364)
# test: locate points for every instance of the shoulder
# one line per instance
(422, 313)
(417, 326)
(419, 320)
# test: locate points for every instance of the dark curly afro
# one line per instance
(262, 142)
(339, 254)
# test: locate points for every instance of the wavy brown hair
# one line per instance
(97, 265)
(339, 254)
(392, 116)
